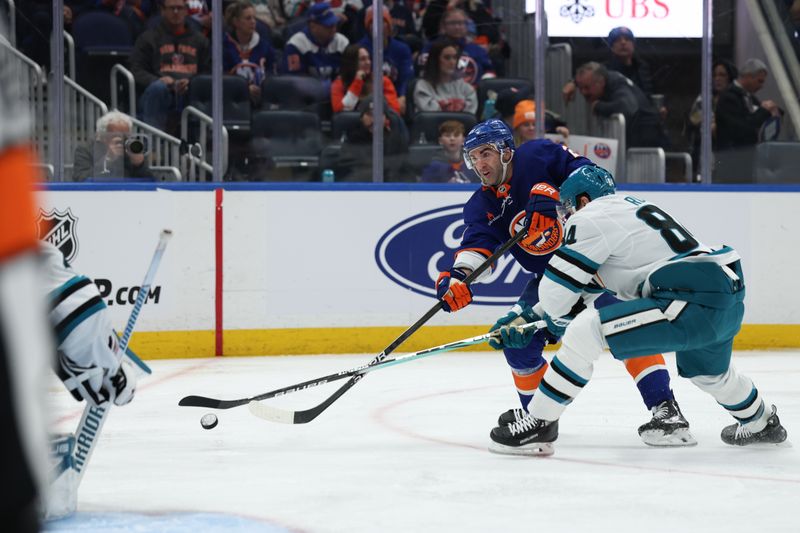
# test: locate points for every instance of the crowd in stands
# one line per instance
(437, 54)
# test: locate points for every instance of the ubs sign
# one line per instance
(646, 18)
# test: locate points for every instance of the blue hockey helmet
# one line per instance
(588, 180)
(493, 131)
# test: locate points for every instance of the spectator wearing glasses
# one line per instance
(441, 89)
(164, 60)
(474, 63)
(485, 24)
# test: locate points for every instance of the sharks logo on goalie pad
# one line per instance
(58, 228)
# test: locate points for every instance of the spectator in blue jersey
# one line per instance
(441, 89)
(515, 181)
(316, 50)
(163, 61)
(244, 53)
(474, 63)
(450, 166)
(397, 62)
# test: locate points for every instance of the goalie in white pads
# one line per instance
(90, 362)
(678, 295)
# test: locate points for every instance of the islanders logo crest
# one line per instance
(547, 243)
(602, 150)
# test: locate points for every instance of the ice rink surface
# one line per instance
(406, 450)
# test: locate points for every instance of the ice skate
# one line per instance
(511, 416)
(527, 436)
(668, 427)
(740, 435)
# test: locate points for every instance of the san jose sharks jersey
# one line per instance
(494, 214)
(78, 314)
(632, 247)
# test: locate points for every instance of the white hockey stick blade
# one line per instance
(267, 412)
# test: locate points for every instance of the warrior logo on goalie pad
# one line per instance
(58, 228)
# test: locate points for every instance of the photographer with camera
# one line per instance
(115, 152)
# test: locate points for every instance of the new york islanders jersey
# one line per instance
(304, 56)
(252, 62)
(495, 214)
(619, 243)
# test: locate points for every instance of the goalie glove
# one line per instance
(99, 377)
(95, 384)
(452, 291)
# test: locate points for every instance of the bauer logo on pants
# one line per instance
(58, 228)
(414, 251)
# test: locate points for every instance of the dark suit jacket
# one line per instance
(737, 125)
(642, 121)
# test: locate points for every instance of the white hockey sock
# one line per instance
(571, 368)
(737, 395)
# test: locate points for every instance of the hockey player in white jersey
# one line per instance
(90, 362)
(678, 295)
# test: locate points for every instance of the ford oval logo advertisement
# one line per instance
(414, 251)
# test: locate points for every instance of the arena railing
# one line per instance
(199, 167)
(32, 79)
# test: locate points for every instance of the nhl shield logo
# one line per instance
(58, 228)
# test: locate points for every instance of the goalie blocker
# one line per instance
(89, 356)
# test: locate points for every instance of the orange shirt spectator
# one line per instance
(356, 75)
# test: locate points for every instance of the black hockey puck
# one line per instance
(209, 421)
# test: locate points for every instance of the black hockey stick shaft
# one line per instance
(305, 416)
(302, 417)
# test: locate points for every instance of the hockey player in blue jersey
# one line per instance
(511, 180)
(677, 295)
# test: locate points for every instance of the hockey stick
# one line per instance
(303, 417)
(94, 417)
(274, 414)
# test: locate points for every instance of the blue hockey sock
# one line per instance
(654, 388)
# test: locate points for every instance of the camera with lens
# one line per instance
(137, 144)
